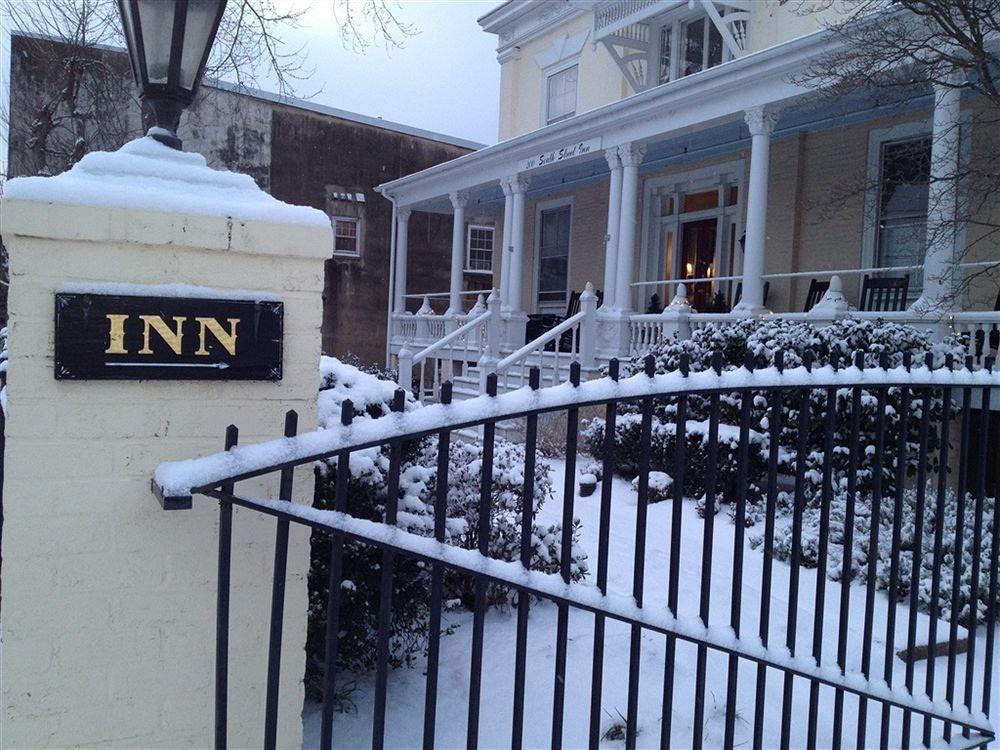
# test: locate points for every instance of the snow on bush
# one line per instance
(660, 484)
(763, 339)
(371, 391)
(663, 452)
(859, 556)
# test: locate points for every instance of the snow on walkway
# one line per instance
(404, 724)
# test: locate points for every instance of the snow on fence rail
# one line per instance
(620, 607)
(735, 634)
(181, 479)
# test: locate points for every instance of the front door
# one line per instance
(698, 242)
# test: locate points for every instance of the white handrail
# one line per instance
(456, 334)
(551, 335)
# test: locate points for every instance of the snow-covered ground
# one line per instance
(406, 686)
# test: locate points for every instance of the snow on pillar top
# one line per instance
(146, 176)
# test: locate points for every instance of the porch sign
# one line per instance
(579, 148)
(124, 337)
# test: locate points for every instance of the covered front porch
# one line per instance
(693, 202)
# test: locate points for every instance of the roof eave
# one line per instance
(738, 75)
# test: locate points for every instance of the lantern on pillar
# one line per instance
(168, 43)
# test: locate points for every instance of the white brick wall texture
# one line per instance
(108, 615)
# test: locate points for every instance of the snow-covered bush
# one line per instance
(464, 485)
(371, 396)
(663, 452)
(763, 339)
(859, 555)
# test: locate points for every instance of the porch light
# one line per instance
(168, 43)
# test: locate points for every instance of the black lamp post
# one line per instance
(168, 42)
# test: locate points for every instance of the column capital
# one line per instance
(459, 198)
(761, 120)
(505, 187)
(612, 157)
(519, 183)
(631, 154)
(403, 213)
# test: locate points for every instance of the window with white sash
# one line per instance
(479, 249)
(561, 93)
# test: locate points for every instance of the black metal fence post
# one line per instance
(222, 606)
(278, 598)
(333, 585)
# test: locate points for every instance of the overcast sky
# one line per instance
(446, 78)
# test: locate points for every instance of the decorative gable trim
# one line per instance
(564, 48)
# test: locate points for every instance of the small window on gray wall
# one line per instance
(346, 236)
(479, 249)
(346, 209)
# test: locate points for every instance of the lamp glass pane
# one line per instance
(200, 20)
(156, 19)
(129, 24)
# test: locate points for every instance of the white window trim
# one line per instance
(537, 242)
(546, 75)
(468, 249)
(342, 253)
(903, 131)
(703, 178)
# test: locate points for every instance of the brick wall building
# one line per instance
(300, 152)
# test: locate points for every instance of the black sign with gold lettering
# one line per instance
(120, 337)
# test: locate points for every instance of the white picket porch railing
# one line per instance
(512, 371)
(432, 348)
(978, 330)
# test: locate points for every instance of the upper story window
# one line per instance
(346, 210)
(479, 249)
(345, 236)
(560, 94)
(688, 46)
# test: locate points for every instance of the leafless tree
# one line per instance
(89, 107)
(895, 52)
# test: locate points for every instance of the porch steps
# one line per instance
(468, 386)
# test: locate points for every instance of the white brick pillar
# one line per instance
(631, 155)
(458, 203)
(505, 246)
(761, 122)
(109, 601)
(942, 200)
(402, 238)
(614, 224)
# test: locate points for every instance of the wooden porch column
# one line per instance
(402, 233)
(761, 122)
(614, 224)
(519, 186)
(942, 201)
(458, 202)
(505, 247)
(631, 155)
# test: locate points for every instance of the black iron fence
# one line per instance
(864, 686)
